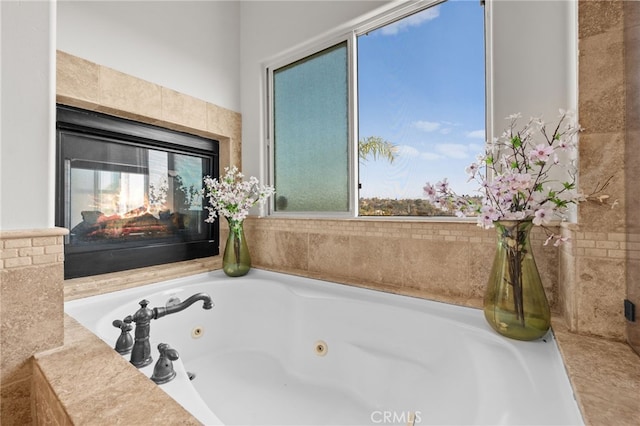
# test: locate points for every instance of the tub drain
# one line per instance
(321, 348)
(191, 375)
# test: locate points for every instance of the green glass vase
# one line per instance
(515, 303)
(236, 261)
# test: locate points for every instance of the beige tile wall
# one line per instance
(597, 261)
(435, 260)
(632, 155)
(31, 303)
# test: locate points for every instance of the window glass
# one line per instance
(421, 107)
(310, 133)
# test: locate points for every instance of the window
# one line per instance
(417, 115)
(311, 138)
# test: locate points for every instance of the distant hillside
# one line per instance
(403, 207)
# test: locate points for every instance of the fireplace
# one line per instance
(129, 193)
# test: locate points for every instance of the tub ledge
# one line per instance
(87, 382)
(605, 376)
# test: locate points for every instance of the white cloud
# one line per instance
(430, 156)
(408, 151)
(411, 21)
(411, 152)
(478, 148)
(456, 151)
(476, 134)
(427, 126)
(453, 150)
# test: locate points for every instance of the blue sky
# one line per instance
(421, 87)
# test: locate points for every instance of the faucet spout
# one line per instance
(172, 309)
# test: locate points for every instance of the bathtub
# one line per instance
(280, 349)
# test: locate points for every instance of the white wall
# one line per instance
(26, 115)
(189, 46)
(534, 58)
(534, 61)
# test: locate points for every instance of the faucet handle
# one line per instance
(124, 325)
(168, 352)
(163, 371)
(125, 341)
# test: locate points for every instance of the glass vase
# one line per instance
(515, 303)
(236, 261)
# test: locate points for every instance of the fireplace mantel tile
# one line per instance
(121, 92)
(91, 86)
(78, 77)
(183, 110)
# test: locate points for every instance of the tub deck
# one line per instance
(605, 376)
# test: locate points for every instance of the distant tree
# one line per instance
(399, 207)
(377, 147)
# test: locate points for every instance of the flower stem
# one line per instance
(514, 238)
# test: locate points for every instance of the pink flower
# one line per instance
(542, 216)
(524, 179)
(559, 240)
(472, 170)
(443, 185)
(540, 153)
(429, 191)
(490, 212)
(485, 221)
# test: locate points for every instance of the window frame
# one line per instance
(350, 36)
(352, 174)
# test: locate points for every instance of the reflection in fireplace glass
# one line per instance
(157, 198)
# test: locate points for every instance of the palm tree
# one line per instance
(375, 147)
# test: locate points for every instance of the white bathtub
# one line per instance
(279, 349)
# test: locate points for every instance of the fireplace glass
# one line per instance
(130, 193)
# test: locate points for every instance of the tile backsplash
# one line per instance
(31, 302)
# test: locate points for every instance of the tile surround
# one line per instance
(87, 85)
(602, 241)
(31, 302)
(435, 260)
(632, 157)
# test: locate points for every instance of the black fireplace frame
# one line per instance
(100, 259)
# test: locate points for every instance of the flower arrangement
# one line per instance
(232, 196)
(521, 184)
(515, 176)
